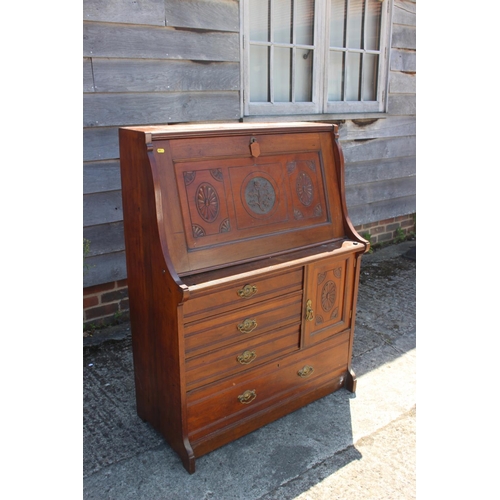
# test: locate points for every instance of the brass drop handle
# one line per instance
(249, 325)
(247, 291)
(306, 371)
(247, 397)
(247, 357)
(309, 311)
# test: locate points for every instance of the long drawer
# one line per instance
(242, 293)
(239, 357)
(242, 324)
(220, 404)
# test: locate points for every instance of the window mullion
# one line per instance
(346, 52)
(271, 51)
(363, 47)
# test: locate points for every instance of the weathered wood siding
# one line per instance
(159, 61)
(147, 61)
(380, 155)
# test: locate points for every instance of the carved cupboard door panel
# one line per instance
(328, 298)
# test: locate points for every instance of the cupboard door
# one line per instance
(328, 298)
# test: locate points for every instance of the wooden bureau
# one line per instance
(242, 271)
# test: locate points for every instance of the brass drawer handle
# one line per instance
(247, 357)
(306, 371)
(247, 397)
(249, 325)
(247, 291)
(309, 311)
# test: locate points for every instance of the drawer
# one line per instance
(242, 293)
(236, 358)
(243, 324)
(220, 404)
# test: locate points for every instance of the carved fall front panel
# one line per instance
(233, 199)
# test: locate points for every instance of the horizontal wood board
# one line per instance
(158, 107)
(220, 15)
(145, 42)
(158, 75)
(125, 11)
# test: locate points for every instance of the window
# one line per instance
(315, 56)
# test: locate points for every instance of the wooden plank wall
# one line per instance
(158, 61)
(147, 61)
(380, 155)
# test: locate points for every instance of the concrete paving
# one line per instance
(344, 446)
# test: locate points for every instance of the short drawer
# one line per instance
(242, 324)
(239, 357)
(242, 293)
(217, 405)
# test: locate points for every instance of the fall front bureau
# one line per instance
(242, 271)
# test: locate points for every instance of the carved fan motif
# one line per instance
(225, 226)
(207, 202)
(189, 177)
(305, 190)
(311, 165)
(216, 173)
(198, 231)
(337, 272)
(328, 295)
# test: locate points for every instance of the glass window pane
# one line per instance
(282, 21)
(372, 25)
(259, 20)
(337, 20)
(259, 73)
(304, 22)
(354, 23)
(370, 63)
(303, 75)
(335, 76)
(352, 76)
(282, 74)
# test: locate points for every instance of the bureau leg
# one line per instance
(350, 380)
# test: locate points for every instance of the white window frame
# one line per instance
(320, 103)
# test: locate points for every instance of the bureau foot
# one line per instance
(350, 380)
(187, 457)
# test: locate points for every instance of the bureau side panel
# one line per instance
(154, 303)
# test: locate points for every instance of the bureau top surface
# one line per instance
(210, 129)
